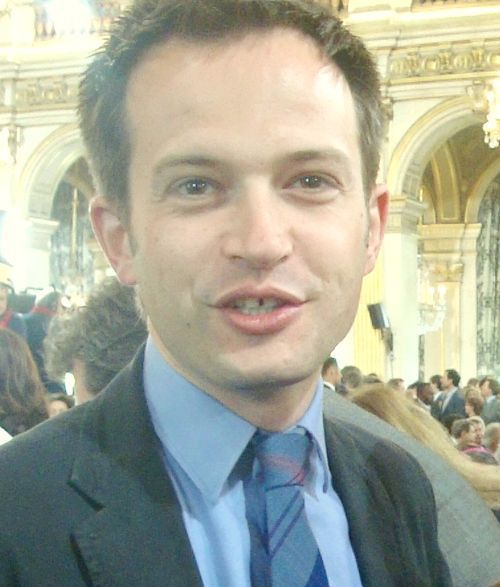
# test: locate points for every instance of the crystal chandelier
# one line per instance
(431, 299)
(491, 127)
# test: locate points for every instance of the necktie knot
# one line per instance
(283, 459)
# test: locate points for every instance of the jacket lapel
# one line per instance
(370, 513)
(136, 535)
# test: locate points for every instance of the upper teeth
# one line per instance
(256, 305)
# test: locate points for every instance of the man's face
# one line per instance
(446, 383)
(250, 233)
(427, 394)
(485, 389)
(477, 434)
(468, 437)
(3, 300)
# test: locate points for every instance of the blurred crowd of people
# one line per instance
(460, 424)
(38, 349)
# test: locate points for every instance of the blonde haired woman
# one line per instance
(407, 416)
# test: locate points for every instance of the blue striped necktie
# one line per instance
(284, 552)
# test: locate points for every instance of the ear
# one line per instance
(378, 208)
(113, 238)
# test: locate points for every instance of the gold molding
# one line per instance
(39, 93)
(436, 63)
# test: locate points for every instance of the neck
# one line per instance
(272, 409)
(271, 406)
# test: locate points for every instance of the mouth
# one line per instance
(259, 312)
(256, 306)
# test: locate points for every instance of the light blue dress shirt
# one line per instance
(202, 442)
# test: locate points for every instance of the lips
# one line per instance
(259, 312)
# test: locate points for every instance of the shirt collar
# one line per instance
(178, 408)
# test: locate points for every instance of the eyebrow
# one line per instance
(187, 161)
(294, 156)
(318, 154)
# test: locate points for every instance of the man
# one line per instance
(468, 435)
(491, 439)
(490, 389)
(450, 400)
(423, 394)
(332, 379)
(352, 377)
(236, 147)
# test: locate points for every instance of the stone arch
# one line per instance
(46, 168)
(479, 190)
(412, 153)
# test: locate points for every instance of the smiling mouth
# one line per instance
(256, 306)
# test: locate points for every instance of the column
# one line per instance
(400, 252)
(449, 250)
(37, 266)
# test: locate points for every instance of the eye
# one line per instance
(311, 181)
(194, 186)
(314, 185)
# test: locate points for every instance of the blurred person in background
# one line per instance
(435, 382)
(423, 395)
(332, 379)
(469, 433)
(37, 326)
(22, 401)
(473, 404)
(491, 439)
(490, 390)
(450, 400)
(8, 318)
(397, 383)
(58, 403)
(352, 377)
(402, 413)
(97, 340)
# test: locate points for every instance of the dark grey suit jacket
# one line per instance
(456, 405)
(85, 500)
(491, 411)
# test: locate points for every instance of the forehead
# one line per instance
(259, 69)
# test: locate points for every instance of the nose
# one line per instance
(258, 233)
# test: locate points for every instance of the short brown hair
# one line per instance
(150, 22)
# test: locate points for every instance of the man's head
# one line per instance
(450, 379)
(352, 377)
(435, 382)
(330, 371)
(97, 340)
(489, 387)
(424, 392)
(397, 383)
(464, 432)
(478, 427)
(491, 438)
(253, 214)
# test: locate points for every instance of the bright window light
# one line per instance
(69, 16)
